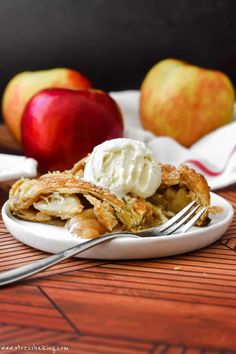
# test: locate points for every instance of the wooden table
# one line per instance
(183, 304)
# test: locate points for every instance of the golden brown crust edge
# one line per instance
(195, 182)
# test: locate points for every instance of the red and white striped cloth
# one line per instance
(214, 155)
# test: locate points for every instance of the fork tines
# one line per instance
(181, 222)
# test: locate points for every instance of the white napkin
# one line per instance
(13, 167)
(214, 155)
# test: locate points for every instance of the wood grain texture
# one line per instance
(176, 305)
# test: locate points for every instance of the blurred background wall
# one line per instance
(115, 42)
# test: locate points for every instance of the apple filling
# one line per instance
(63, 206)
(172, 200)
(86, 225)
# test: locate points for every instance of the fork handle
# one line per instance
(13, 275)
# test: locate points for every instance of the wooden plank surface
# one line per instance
(183, 304)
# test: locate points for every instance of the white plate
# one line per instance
(54, 239)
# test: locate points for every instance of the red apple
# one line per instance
(25, 85)
(61, 126)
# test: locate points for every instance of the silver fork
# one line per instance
(181, 222)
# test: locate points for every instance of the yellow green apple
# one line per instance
(25, 85)
(184, 101)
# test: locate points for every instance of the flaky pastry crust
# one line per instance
(64, 198)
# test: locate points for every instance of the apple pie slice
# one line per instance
(59, 198)
(87, 210)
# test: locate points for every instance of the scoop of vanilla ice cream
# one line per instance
(123, 166)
